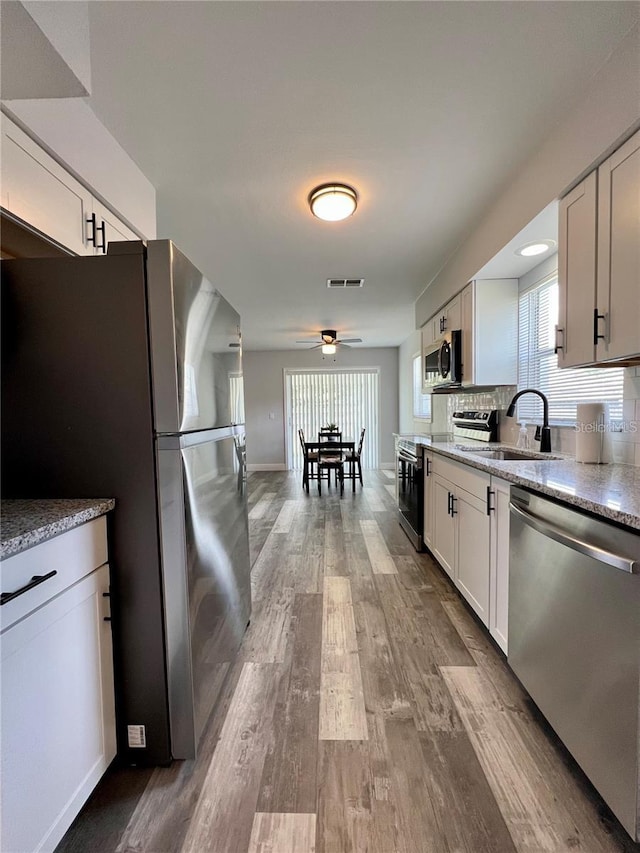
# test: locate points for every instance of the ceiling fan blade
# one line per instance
(349, 341)
(308, 341)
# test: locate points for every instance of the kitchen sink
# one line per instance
(509, 455)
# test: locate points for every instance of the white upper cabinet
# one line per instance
(107, 228)
(490, 332)
(618, 280)
(448, 318)
(40, 192)
(599, 263)
(37, 190)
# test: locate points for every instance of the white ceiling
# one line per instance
(236, 110)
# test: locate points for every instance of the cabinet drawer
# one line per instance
(470, 479)
(71, 555)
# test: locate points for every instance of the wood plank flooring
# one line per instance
(367, 712)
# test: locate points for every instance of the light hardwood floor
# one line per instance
(368, 712)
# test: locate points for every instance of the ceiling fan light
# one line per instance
(333, 202)
(328, 349)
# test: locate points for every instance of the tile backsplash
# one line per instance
(625, 444)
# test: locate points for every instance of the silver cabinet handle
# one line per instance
(625, 564)
(414, 460)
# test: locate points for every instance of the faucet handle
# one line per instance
(538, 434)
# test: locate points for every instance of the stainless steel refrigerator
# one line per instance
(122, 377)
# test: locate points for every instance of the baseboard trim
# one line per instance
(266, 466)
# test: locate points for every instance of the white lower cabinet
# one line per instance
(461, 534)
(499, 563)
(444, 527)
(58, 714)
(469, 537)
(472, 564)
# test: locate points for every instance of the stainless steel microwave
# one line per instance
(443, 361)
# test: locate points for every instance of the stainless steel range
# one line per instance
(410, 489)
(479, 426)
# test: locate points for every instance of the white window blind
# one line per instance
(538, 365)
(347, 398)
(236, 398)
(421, 402)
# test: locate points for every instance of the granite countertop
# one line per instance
(25, 523)
(611, 490)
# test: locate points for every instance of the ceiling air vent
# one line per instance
(345, 282)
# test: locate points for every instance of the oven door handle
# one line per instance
(413, 460)
(625, 564)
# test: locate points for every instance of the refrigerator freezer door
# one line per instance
(206, 572)
(195, 346)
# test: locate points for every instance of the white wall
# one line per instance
(407, 351)
(264, 395)
(606, 113)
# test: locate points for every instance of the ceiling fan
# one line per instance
(329, 337)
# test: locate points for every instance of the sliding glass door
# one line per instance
(347, 398)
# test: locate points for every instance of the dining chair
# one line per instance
(330, 460)
(352, 460)
(329, 435)
(241, 456)
(309, 460)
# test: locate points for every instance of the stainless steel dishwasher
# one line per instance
(574, 637)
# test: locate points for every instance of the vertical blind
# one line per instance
(538, 365)
(421, 402)
(236, 398)
(346, 398)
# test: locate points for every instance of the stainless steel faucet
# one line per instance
(543, 435)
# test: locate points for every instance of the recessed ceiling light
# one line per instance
(537, 247)
(333, 202)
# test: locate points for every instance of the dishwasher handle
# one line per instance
(625, 564)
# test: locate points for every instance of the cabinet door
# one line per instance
(499, 563)
(444, 540)
(618, 289)
(452, 314)
(577, 275)
(428, 499)
(472, 563)
(466, 325)
(58, 718)
(110, 229)
(428, 334)
(40, 192)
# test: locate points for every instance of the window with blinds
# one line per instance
(347, 398)
(538, 365)
(421, 402)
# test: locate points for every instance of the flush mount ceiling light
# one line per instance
(537, 247)
(333, 202)
(328, 349)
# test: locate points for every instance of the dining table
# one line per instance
(345, 445)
